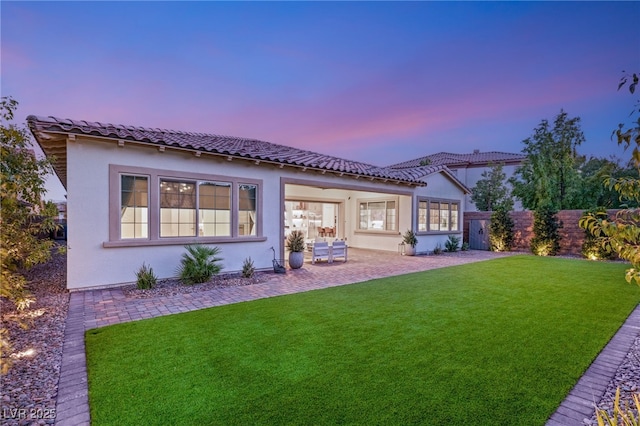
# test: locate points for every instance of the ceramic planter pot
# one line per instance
(296, 259)
(409, 250)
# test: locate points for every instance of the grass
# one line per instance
(496, 342)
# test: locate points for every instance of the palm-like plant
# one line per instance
(199, 264)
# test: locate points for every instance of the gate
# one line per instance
(479, 234)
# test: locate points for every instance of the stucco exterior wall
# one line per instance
(91, 264)
(441, 187)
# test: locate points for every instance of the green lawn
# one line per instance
(496, 342)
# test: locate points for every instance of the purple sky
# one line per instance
(378, 82)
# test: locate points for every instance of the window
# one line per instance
(438, 216)
(247, 213)
(177, 208)
(214, 209)
(379, 215)
(134, 207)
(149, 206)
(422, 216)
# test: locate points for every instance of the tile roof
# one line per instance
(475, 158)
(421, 172)
(43, 127)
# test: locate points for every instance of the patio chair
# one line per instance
(320, 251)
(339, 249)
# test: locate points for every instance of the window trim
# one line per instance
(154, 176)
(359, 201)
(429, 200)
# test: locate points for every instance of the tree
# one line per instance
(501, 230)
(546, 232)
(491, 192)
(25, 217)
(594, 172)
(549, 175)
(621, 234)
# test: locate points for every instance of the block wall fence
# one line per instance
(572, 236)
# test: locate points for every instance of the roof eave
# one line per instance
(44, 136)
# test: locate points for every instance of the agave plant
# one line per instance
(199, 264)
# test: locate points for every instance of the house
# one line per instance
(468, 168)
(138, 194)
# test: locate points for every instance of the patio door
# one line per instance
(316, 219)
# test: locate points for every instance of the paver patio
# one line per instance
(97, 308)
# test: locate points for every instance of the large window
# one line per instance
(378, 215)
(438, 216)
(149, 206)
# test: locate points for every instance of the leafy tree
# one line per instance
(25, 217)
(546, 232)
(594, 172)
(621, 234)
(501, 230)
(549, 175)
(491, 192)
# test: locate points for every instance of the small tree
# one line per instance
(491, 192)
(25, 217)
(546, 239)
(501, 230)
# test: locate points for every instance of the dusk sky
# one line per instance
(377, 82)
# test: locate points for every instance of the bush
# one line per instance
(437, 249)
(501, 231)
(248, 269)
(410, 238)
(546, 239)
(199, 264)
(295, 241)
(145, 277)
(451, 245)
(595, 248)
(465, 246)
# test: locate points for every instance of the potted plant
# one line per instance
(410, 241)
(295, 245)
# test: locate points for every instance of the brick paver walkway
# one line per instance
(97, 308)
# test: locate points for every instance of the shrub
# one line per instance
(145, 278)
(199, 264)
(501, 230)
(595, 248)
(437, 249)
(546, 239)
(451, 245)
(465, 246)
(248, 269)
(410, 238)
(295, 241)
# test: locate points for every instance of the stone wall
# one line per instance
(572, 236)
